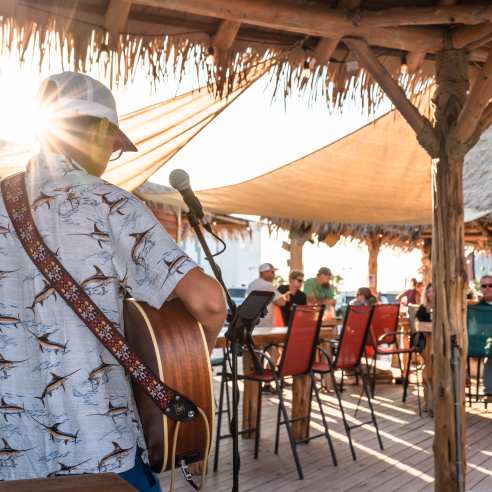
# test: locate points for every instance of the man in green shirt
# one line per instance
(319, 290)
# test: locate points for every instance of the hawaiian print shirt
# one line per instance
(66, 405)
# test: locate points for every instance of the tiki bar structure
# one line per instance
(342, 49)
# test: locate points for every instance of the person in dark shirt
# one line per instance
(424, 312)
(293, 293)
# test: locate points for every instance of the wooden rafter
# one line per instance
(7, 7)
(475, 104)
(415, 61)
(421, 16)
(225, 35)
(317, 20)
(471, 34)
(324, 50)
(117, 15)
(420, 124)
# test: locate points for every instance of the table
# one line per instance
(99, 482)
(427, 355)
(301, 388)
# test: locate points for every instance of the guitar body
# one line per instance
(171, 342)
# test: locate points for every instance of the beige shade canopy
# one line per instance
(159, 131)
(365, 177)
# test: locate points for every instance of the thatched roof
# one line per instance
(307, 38)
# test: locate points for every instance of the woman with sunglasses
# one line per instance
(424, 312)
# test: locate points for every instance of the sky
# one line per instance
(255, 134)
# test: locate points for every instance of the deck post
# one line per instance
(373, 245)
(449, 269)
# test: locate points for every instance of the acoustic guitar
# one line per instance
(172, 343)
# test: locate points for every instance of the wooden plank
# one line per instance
(415, 60)
(475, 103)
(7, 7)
(420, 124)
(117, 15)
(471, 34)
(100, 482)
(225, 35)
(318, 21)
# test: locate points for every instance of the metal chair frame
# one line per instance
(332, 366)
(275, 375)
(391, 338)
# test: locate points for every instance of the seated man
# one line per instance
(486, 290)
(319, 290)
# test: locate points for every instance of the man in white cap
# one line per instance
(75, 412)
(265, 282)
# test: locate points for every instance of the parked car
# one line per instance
(388, 298)
(238, 294)
(342, 301)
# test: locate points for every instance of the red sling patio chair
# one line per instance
(348, 357)
(383, 340)
(296, 360)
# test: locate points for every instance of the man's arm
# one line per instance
(205, 300)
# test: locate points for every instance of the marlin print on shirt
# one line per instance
(114, 205)
(8, 409)
(56, 382)
(5, 273)
(98, 279)
(43, 295)
(43, 199)
(101, 371)
(140, 238)
(117, 454)
(66, 469)
(6, 365)
(56, 434)
(114, 411)
(97, 234)
(5, 230)
(9, 452)
(49, 345)
(6, 320)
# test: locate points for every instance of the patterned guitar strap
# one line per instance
(169, 401)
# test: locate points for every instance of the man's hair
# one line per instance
(296, 275)
(488, 275)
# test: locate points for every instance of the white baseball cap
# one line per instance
(267, 267)
(77, 95)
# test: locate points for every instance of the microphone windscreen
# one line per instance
(179, 179)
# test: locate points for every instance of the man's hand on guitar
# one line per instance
(204, 298)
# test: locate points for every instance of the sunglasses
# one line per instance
(486, 286)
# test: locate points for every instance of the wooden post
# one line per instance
(373, 245)
(426, 263)
(297, 240)
(448, 266)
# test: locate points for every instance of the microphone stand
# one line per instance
(235, 336)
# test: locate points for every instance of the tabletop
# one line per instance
(99, 482)
(263, 335)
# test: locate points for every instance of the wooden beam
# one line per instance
(117, 15)
(420, 124)
(470, 34)
(415, 61)
(349, 4)
(317, 20)
(7, 8)
(421, 16)
(324, 49)
(475, 103)
(225, 35)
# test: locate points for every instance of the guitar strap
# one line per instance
(14, 193)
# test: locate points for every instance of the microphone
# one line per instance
(180, 181)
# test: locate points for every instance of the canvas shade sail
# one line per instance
(159, 131)
(378, 174)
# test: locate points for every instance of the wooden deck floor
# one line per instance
(405, 465)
